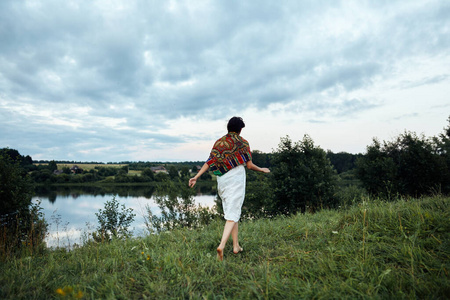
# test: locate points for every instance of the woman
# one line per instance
(227, 159)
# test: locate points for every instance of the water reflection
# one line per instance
(53, 192)
(70, 210)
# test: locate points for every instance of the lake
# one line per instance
(70, 211)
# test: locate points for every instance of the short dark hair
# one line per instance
(235, 124)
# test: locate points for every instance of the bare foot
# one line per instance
(219, 254)
(239, 249)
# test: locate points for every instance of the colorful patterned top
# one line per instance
(228, 152)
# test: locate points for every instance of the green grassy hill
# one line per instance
(372, 250)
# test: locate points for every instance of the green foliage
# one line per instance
(15, 188)
(261, 159)
(259, 197)
(161, 177)
(148, 173)
(441, 144)
(178, 209)
(303, 178)
(374, 250)
(106, 171)
(22, 227)
(206, 176)
(173, 172)
(350, 195)
(52, 166)
(343, 161)
(25, 162)
(408, 165)
(184, 172)
(113, 222)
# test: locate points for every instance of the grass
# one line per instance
(373, 250)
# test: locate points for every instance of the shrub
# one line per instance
(113, 222)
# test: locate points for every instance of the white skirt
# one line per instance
(231, 189)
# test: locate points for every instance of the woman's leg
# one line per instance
(234, 235)
(229, 226)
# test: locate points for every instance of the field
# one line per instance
(372, 250)
(87, 166)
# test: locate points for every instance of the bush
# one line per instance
(113, 223)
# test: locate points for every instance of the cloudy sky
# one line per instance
(137, 80)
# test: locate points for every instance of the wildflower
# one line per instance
(148, 257)
(142, 252)
(60, 292)
(79, 295)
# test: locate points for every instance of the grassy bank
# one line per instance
(372, 250)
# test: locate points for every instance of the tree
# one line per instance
(173, 172)
(259, 199)
(184, 171)
(125, 169)
(52, 166)
(408, 165)
(161, 177)
(377, 170)
(21, 222)
(15, 188)
(441, 145)
(148, 174)
(303, 177)
(261, 159)
(343, 161)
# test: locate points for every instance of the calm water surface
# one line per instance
(70, 212)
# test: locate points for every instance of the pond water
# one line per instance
(70, 211)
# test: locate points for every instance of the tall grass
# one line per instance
(371, 250)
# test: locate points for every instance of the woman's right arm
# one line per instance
(193, 180)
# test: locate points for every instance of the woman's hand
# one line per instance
(192, 182)
(265, 170)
